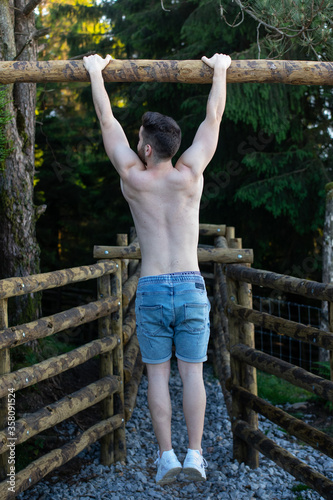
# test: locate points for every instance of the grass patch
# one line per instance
(278, 391)
(298, 488)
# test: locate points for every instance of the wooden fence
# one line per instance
(236, 361)
(117, 273)
(229, 278)
(120, 370)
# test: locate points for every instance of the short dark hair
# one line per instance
(162, 133)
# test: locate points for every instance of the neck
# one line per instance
(161, 165)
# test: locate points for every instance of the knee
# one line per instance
(192, 370)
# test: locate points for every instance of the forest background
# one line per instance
(274, 156)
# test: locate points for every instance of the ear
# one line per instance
(148, 150)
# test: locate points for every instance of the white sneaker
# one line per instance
(194, 466)
(168, 467)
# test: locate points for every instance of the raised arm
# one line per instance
(200, 153)
(115, 141)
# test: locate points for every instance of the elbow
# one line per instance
(105, 121)
(218, 116)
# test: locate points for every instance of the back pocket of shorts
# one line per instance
(195, 317)
(151, 321)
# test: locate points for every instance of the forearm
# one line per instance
(218, 94)
(100, 97)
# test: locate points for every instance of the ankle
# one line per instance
(199, 450)
(165, 450)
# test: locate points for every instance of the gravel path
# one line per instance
(226, 479)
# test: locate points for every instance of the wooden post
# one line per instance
(239, 446)
(118, 364)
(230, 234)
(249, 373)
(106, 368)
(242, 374)
(190, 71)
(4, 368)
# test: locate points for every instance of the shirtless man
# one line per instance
(171, 302)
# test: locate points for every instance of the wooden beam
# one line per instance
(288, 284)
(300, 470)
(282, 369)
(13, 287)
(223, 255)
(190, 71)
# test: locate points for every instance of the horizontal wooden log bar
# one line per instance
(60, 456)
(289, 284)
(294, 426)
(12, 287)
(53, 414)
(49, 325)
(222, 255)
(212, 229)
(282, 369)
(25, 377)
(301, 471)
(186, 71)
(283, 326)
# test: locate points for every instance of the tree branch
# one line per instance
(30, 7)
(163, 8)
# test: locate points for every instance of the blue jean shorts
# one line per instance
(172, 308)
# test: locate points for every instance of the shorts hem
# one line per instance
(191, 360)
(155, 361)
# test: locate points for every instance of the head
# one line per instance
(161, 133)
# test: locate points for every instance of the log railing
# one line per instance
(236, 361)
(120, 370)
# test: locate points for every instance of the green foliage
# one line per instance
(324, 369)
(285, 184)
(301, 26)
(5, 117)
(29, 452)
(300, 487)
(278, 391)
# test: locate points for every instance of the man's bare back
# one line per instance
(164, 203)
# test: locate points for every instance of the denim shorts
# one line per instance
(172, 308)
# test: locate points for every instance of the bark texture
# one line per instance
(191, 71)
(18, 245)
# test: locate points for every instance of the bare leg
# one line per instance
(194, 401)
(160, 404)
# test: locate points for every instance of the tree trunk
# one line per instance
(327, 276)
(18, 245)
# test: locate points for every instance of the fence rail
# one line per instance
(231, 321)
